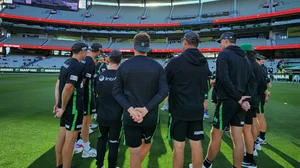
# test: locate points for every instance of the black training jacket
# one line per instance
(187, 77)
(234, 75)
(258, 80)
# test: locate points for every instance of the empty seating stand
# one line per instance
(157, 14)
(61, 43)
(185, 13)
(24, 41)
(103, 14)
(24, 10)
(287, 4)
(288, 41)
(246, 7)
(180, 13)
(130, 15)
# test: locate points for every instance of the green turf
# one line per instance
(29, 131)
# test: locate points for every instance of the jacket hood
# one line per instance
(237, 50)
(194, 56)
(251, 59)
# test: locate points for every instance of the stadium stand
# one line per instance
(158, 45)
(102, 14)
(16, 61)
(246, 7)
(49, 62)
(157, 14)
(287, 41)
(211, 44)
(219, 9)
(286, 4)
(69, 15)
(174, 45)
(253, 41)
(186, 12)
(118, 45)
(61, 43)
(130, 15)
(105, 14)
(30, 11)
(23, 40)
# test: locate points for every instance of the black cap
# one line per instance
(77, 47)
(115, 53)
(142, 43)
(259, 57)
(227, 35)
(191, 37)
(95, 47)
(115, 56)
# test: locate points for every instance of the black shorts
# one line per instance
(89, 105)
(255, 101)
(250, 114)
(228, 112)
(261, 109)
(179, 130)
(72, 118)
(214, 96)
(134, 135)
(112, 132)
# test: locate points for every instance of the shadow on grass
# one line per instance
(222, 161)
(157, 150)
(287, 158)
(122, 153)
(47, 160)
(298, 145)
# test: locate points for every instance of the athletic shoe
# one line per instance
(257, 146)
(191, 166)
(93, 126)
(206, 114)
(91, 153)
(91, 131)
(261, 141)
(255, 153)
(79, 142)
(247, 163)
(164, 107)
(78, 147)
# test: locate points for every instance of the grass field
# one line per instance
(29, 131)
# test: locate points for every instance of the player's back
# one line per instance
(187, 76)
(141, 77)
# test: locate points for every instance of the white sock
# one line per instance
(86, 146)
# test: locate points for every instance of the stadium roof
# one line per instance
(148, 2)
